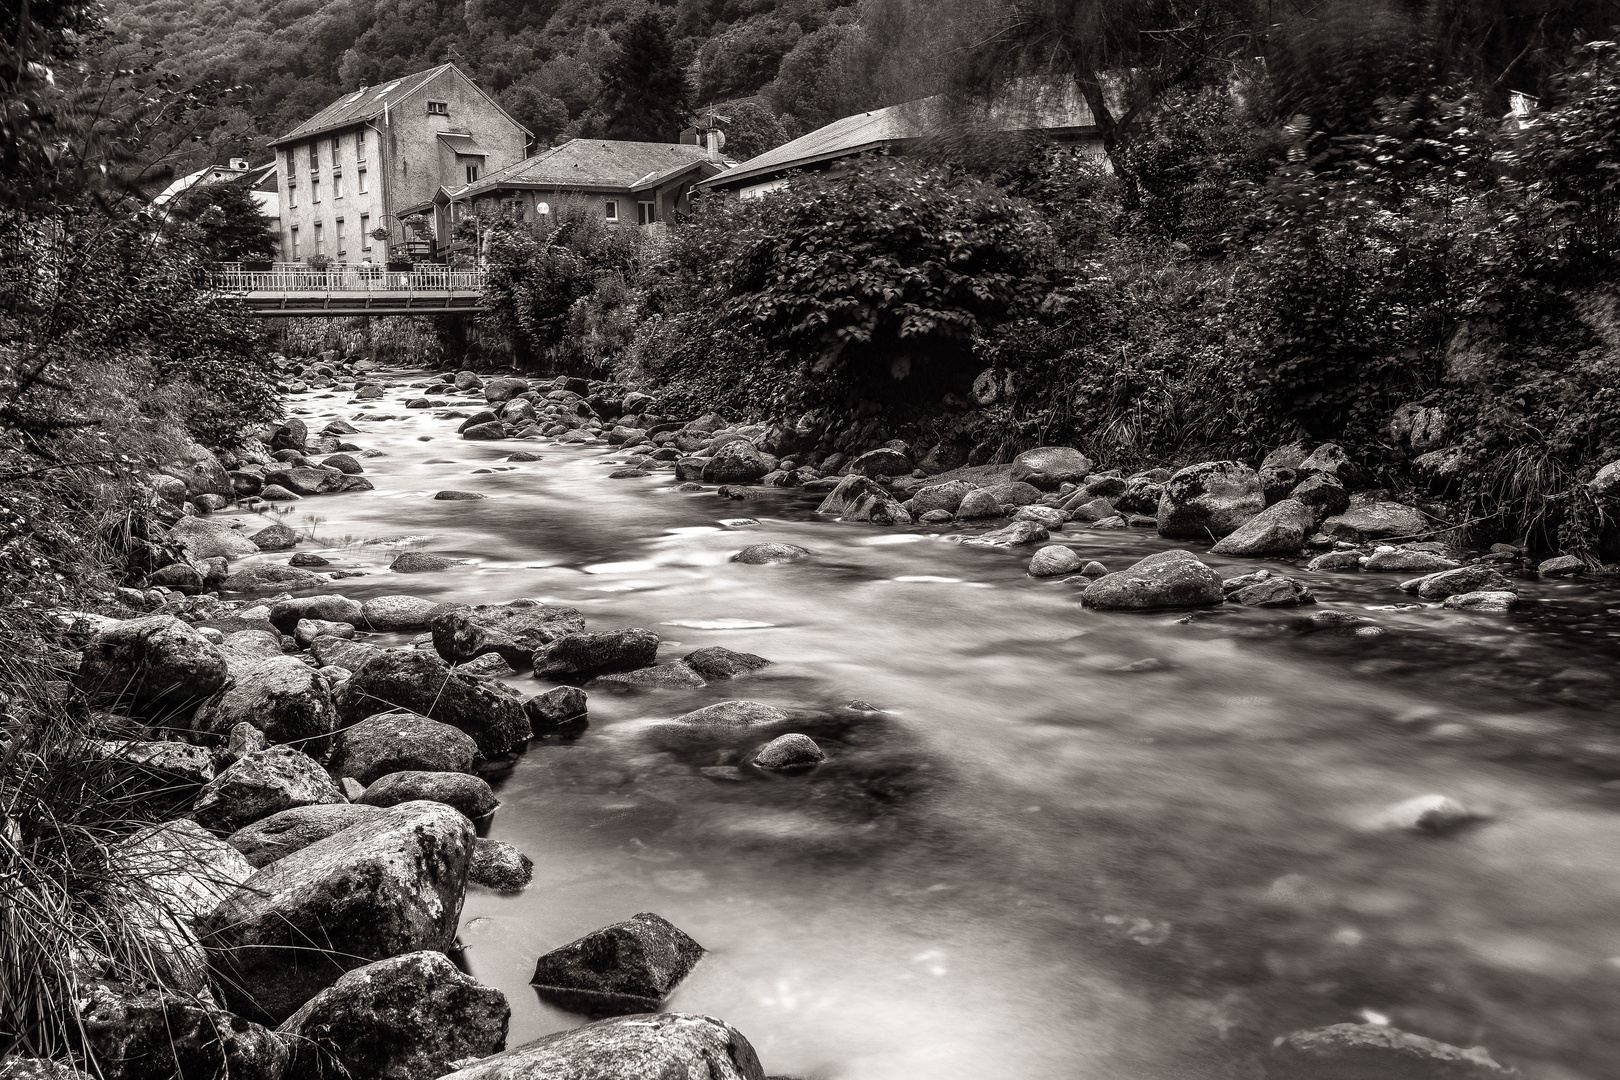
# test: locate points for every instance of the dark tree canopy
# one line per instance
(230, 225)
(644, 93)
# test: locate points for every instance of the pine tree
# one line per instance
(644, 92)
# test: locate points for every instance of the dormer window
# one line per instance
(438, 108)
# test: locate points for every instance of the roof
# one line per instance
(369, 102)
(594, 164)
(208, 175)
(1028, 106)
(462, 144)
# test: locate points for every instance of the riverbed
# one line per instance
(1048, 842)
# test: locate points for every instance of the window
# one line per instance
(314, 189)
(438, 108)
(360, 177)
(337, 184)
(360, 148)
(292, 243)
(646, 213)
(337, 147)
(337, 235)
(292, 191)
(320, 241)
(314, 156)
(612, 206)
(365, 232)
(292, 168)
(472, 173)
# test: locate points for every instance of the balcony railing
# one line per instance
(361, 278)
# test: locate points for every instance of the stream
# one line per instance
(1020, 860)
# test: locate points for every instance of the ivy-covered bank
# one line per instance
(1409, 277)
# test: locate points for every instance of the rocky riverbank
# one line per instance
(329, 788)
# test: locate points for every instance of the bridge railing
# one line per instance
(362, 279)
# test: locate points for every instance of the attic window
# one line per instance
(389, 87)
(438, 108)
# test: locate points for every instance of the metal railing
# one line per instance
(362, 279)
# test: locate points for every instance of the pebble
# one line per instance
(459, 496)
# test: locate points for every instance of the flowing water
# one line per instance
(1027, 863)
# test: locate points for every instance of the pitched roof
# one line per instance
(596, 164)
(1028, 106)
(461, 143)
(363, 104)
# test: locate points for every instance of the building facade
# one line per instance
(345, 174)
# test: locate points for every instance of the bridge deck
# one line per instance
(291, 290)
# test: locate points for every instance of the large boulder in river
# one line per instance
(884, 461)
(499, 390)
(305, 479)
(1376, 1052)
(471, 795)
(512, 631)
(282, 696)
(156, 1034)
(383, 887)
(399, 612)
(293, 829)
(408, 1017)
(206, 538)
(154, 665)
(719, 662)
(1048, 467)
(262, 783)
(946, 496)
(419, 681)
(629, 967)
(1209, 500)
(677, 1046)
(1169, 579)
(1322, 494)
(285, 614)
(737, 462)
(770, 553)
(858, 498)
(1475, 577)
(1377, 521)
(1279, 529)
(267, 576)
(398, 741)
(580, 655)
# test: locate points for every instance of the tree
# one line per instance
(644, 93)
(539, 112)
(230, 226)
(753, 130)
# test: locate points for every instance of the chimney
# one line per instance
(239, 164)
(714, 141)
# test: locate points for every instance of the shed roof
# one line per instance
(596, 164)
(463, 144)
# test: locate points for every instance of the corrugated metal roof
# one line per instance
(462, 144)
(364, 104)
(1028, 106)
(594, 163)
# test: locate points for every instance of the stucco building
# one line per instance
(347, 172)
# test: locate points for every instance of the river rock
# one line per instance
(304, 479)
(1054, 560)
(1047, 467)
(1090, 510)
(679, 1046)
(243, 740)
(268, 839)
(1322, 494)
(629, 967)
(1016, 534)
(308, 558)
(471, 795)
(329, 650)
(156, 664)
(1277, 482)
(307, 630)
(554, 708)
(202, 538)
(382, 887)
(499, 390)
(1277, 591)
(1376, 521)
(674, 675)
(1561, 566)
(789, 752)
(419, 562)
(1331, 459)
(978, 503)
(1475, 577)
(400, 741)
(1376, 1052)
(277, 493)
(1494, 601)
(1141, 496)
(1335, 560)
(858, 498)
(155, 1034)
(282, 696)
(1279, 529)
(267, 578)
(511, 631)
(947, 496)
(181, 577)
(737, 462)
(1211, 499)
(1404, 559)
(731, 716)
(488, 431)
(450, 495)
(1049, 517)
(408, 1017)
(718, 662)
(398, 612)
(767, 554)
(499, 866)
(285, 614)
(419, 681)
(577, 655)
(884, 461)
(260, 784)
(1169, 579)
(275, 538)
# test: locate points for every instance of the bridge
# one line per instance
(293, 289)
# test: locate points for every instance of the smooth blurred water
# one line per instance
(1028, 863)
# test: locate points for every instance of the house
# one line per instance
(345, 172)
(261, 188)
(625, 182)
(1057, 113)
